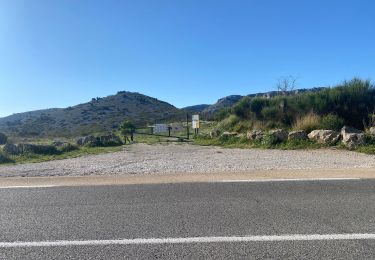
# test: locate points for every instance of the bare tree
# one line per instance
(286, 84)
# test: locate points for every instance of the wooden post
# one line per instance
(187, 126)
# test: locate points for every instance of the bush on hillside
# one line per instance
(269, 140)
(221, 114)
(331, 122)
(5, 159)
(242, 108)
(68, 148)
(3, 138)
(348, 103)
(127, 127)
(257, 104)
(312, 122)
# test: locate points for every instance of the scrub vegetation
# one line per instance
(351, 103)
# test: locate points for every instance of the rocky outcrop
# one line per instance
(372, 131)
(297, 135)
(324, 136)
(280, 135)
(255, 135)
(352, 137)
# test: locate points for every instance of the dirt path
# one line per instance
(142, 159)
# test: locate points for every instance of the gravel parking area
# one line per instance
(181, 158)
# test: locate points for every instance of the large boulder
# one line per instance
(11, 149)
(280, 135)
(89, 140)
(324, 136)
(255, 135)
(215, 133)
(297, 135)
(352, 137)
(372, 131)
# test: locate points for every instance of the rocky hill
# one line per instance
(196, 108)
(106, 114)
(98, 115)
(225, 102)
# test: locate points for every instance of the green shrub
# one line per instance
(269, 140)
(348, 103)
(127, 127)
(242, 108)
(3, 138)
(68, 148)
(270, 113)
(5, 159)
(38, 149)
(369, 139)
(257, 104)
(221, 114)
(331, 122)
(228, 123)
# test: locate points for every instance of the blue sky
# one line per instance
(186, 52)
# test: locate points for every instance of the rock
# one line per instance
(229, 134)
(324, 136)
(215, 133)
(297, 135)
(87, 140)
(352, 137)
(241, 135)
(372, 131)
(11, 149)
(279, 134)
(255, 135)
(68, 147)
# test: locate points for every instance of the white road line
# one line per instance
(281, 180)
(28, 187)
(214, 181)
(189, 240)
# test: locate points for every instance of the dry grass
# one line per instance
(307, 123)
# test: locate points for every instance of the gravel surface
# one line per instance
(180, 158)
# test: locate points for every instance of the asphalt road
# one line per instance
(186, 211)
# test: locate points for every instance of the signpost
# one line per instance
(195, 123)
